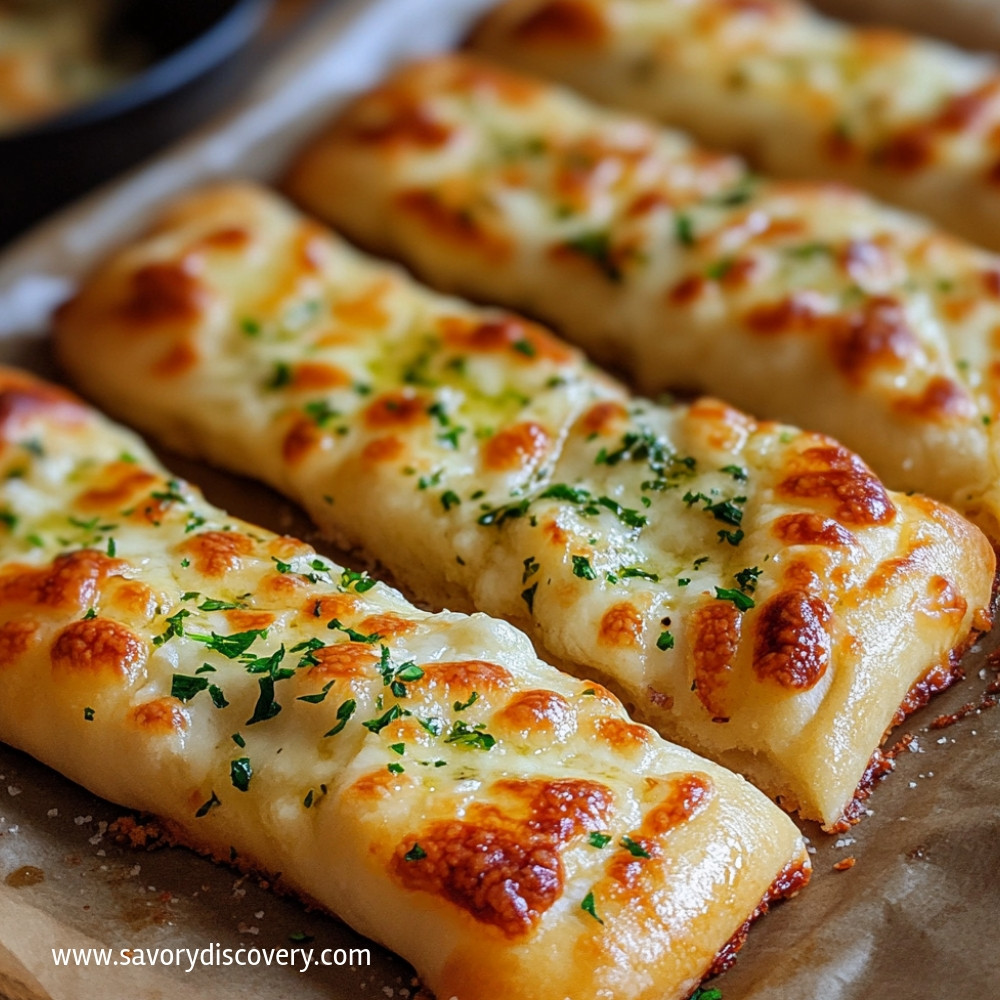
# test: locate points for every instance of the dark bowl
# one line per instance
(200, 56)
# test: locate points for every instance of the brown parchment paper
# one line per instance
(913, 919)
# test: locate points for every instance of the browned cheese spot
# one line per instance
(401, 123)
(16, 638)
(98, 647)
(229, 238)
(180, 358)
(242, 620)
(301, 438)
(521, 446)
(344, 660)
(685, 798)
(943, 601)
(22, 399)
(540, 713)
(72, 582)
(562, 22)
(387, 625)
(830, 472)
(876, 336)
(792, 641)
(133, 598)
(121, 482)
(620, 734)
(396, 409)
(455, 225)
(603, 418)
(505, 870)
(811, 529)
(216, 553)
(368, 309)
(383, 449)
(496, 875)
(621, 626)
(715, 639)
(943, 400)
(688, 290)
(466, 676)
(169, 292)
(162, 716)
(525, 341)
(340, 606)
(318, 375)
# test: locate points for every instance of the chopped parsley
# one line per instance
(634, 848)
(597, 246)
(747, 579)
(739, 599)
(470, 736)
(88, 714)
(207, 807)
(528, 596)
(461, 706)
(599, 840)
(351, 634)
(378, 724)
(665, 641)
(358, 582)
(240, 772)
(583, 569)
(266, 707)
(588, 906)
(344, 713)
(415, 853)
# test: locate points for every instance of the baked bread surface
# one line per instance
(913, 120)
(802, 302)
(504, 827)
(750, 589)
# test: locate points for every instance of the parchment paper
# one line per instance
(914, 919)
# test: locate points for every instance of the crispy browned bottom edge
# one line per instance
(789, 881)
(151, 832)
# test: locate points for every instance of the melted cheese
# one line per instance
(751, 589)
(799, 302)
(424, 776)
(915, 121)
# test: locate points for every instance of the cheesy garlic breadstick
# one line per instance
(800, 302)
(750, 589)
(912, 120)
(504, 827)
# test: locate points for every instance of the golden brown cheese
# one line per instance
(799, 302)
(489, 467)
(913, 120)
(424, 776)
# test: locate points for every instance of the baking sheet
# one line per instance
(913, 918)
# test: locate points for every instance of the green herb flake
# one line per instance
(395, 768)
(240, 773)
(461, 706)
(684, 229)
(665, 641)
(205, 809)
(473, 737)
(739, 599)
(599, 840)
(378, 724)
(634, 848)
(598, 247)
(266, 707)
(358, 582)
(184, 687)
(583, 569)
(415, 853)
(450, 499)
(88, 714)
(237, 738)
(588, 906)
(344, 713)
(528, 596)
